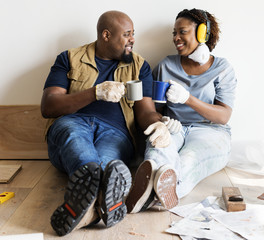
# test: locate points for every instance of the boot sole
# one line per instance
(116, 184)
(79, 199)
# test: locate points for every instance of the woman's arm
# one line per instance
(218, 112)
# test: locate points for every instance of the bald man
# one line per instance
(91, 128)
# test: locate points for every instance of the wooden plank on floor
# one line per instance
(250, 185)
(22, 132)
(8, 172)
(29, 175)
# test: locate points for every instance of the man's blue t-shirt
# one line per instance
(106, 111)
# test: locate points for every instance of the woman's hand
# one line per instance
(177, 93)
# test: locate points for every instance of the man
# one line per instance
(91, 130)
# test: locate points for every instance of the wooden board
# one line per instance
(232, 206)
(30, 174)
(22, 132)
(8, 172)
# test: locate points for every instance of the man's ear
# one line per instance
(106, 34)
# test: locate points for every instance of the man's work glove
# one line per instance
(173, 125)
(177, 93)
(160, 135)
(109, 91)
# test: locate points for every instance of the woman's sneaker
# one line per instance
(165, 186)
(142, 196)
(78, 209)
(114, 188)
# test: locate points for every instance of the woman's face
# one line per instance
(184, 36)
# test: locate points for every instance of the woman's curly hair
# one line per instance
(197, 16)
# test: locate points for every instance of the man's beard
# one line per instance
(127, 58)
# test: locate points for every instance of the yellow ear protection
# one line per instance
(203, 30)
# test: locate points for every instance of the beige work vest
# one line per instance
(83, 74)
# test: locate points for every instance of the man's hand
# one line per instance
(110, 91)
(173, 125)
(177, 93)
(160, 135)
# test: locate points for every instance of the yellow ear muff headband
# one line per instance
(203, 30)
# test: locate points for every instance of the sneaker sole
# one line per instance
(79, 200)
(116, 184)
(165, 187)
(142, 188)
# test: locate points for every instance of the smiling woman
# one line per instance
(201, 97)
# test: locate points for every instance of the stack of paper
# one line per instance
(208, 220)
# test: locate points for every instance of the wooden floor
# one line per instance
(39, 189)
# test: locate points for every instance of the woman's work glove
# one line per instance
(160, 135)
(173, 125)
(177, 93)
(109, 91)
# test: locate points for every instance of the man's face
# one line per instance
(122, 40)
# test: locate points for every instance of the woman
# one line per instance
(201, 98)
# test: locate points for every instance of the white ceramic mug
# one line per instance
(134, 90)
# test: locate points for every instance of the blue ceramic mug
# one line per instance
(159, 90)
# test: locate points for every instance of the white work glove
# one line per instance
(173, 125)
(177, 93)
(160, 136)
(110, 91)
(201, 54)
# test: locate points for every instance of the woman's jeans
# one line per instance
(195, 153)
(74, 140)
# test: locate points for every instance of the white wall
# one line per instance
(33, 32)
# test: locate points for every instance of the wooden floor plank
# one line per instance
(33, 215)
(146, 225)
(8, 172)
(32, 210)
(29, 175)
(8, 208)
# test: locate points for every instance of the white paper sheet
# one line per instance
(208, 220)
(32, 236)
(248, 223)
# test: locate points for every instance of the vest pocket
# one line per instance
(77, 80)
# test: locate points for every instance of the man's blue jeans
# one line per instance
(75, 139)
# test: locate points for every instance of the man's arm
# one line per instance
(56, 102)
(55, 99)
(146, 113)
